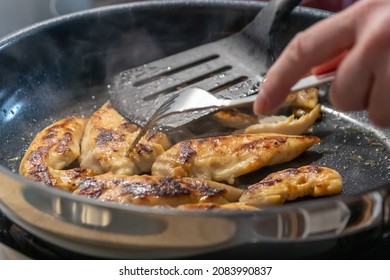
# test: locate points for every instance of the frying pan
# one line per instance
(63, 66)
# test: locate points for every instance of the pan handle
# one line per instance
(327, 219)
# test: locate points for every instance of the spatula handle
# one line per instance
(330, 65)
(321, 74)
(259, 32)
(272, 14)
(313, 81)
(310, 81)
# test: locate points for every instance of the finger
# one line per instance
(309, 48)
(330, 65)
(349, 90)
(379, 98)
(365, 73)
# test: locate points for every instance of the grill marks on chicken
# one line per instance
(107, 139)
(156, 190)
(52, 150)
(224, 158)
(292, 183)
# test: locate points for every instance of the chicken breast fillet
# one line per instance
(108, 137)
(233, 118)
(303, 100)
(156, 190)
(52, 150)
(286, 125)
(306, 98)
(291, 184)
(223, 158)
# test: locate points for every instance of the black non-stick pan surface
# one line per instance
(63, 67)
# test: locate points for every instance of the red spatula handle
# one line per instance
(329, 66)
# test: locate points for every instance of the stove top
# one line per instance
(20, 240)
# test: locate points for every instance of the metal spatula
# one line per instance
(196, 99)
(229, 68)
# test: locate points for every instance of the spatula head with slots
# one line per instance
(229, 68)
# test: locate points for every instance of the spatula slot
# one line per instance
(228, 84)
(172, 71)
(187, 83)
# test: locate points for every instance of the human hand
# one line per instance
(363, 77)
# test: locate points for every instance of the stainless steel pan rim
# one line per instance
(111, 230)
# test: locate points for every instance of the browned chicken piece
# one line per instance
(223, 158)
(52, 150)
(286, 125)
(234, 118)
(156, 190)
(301, 102)
(292, 183)
(213, 206)
(306, 98)
(107, 139)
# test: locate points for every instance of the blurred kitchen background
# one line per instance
(16, 14)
